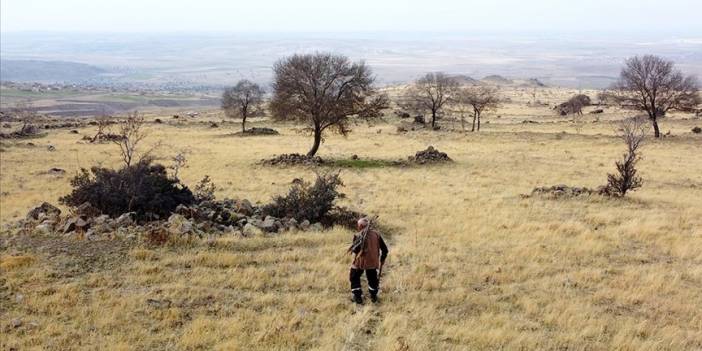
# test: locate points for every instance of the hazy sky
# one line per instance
(670, 16)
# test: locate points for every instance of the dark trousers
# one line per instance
(371, 275)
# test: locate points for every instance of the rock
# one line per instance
(251, 230)
(124, 220)
(101, 219)
(317, 227)
(244, 207)
(56, 171)
(75, 223)
(51, 148)
(305, 224)
(74, 131)
(269, 224)
(291, 224)
(15, 323)
(177, 224)
(43, 228)
(44, 210)
(87, 210)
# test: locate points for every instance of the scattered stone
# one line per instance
(43, 228)
(86, 210)
(177, 224)
(269, 224)
(56, 171)
(44, 210)
(15, 323)
(74, 131)
(317, 227)
(562, 190)
(51, 148)
(158, 121)
(251, 230)
(305, 224)
(124, 220)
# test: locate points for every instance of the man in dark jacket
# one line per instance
(369, 251)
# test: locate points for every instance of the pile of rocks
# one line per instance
(293, 160)
(262, 131)
(229, 216)
(430, 155)
(562, 190)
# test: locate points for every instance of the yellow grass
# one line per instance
(473, 266)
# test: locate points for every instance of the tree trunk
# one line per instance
(243, 124)
(656, 131)
(478, 122)
(317, 141)
(474, 118)
(433, 119)
(463, 122)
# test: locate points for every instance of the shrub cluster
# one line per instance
(307, 201)
(142, 188)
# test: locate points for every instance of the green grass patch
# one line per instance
(360, 163)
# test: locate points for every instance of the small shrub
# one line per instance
(143, 188)
(626, 179)
(205, 189)
(697, 130)
(305, 201)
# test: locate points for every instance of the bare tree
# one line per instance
(324, 90)
(633, 132)
(103, 124)
(652, 84)
(131, 133)
(480, 99)
(430, 93)
(243, 100)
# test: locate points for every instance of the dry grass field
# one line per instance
(473, 265)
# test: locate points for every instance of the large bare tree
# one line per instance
(652, 84)
(324, 90)
(431, 93)
(243, 100)
(480, 99)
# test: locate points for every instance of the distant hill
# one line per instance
(465, 80)
(496, 79)
(47, 71)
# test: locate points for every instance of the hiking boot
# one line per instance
(358, 299)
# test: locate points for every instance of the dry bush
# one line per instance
(143, 188)
(305, 201)
(633, 131)
(131, 133)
